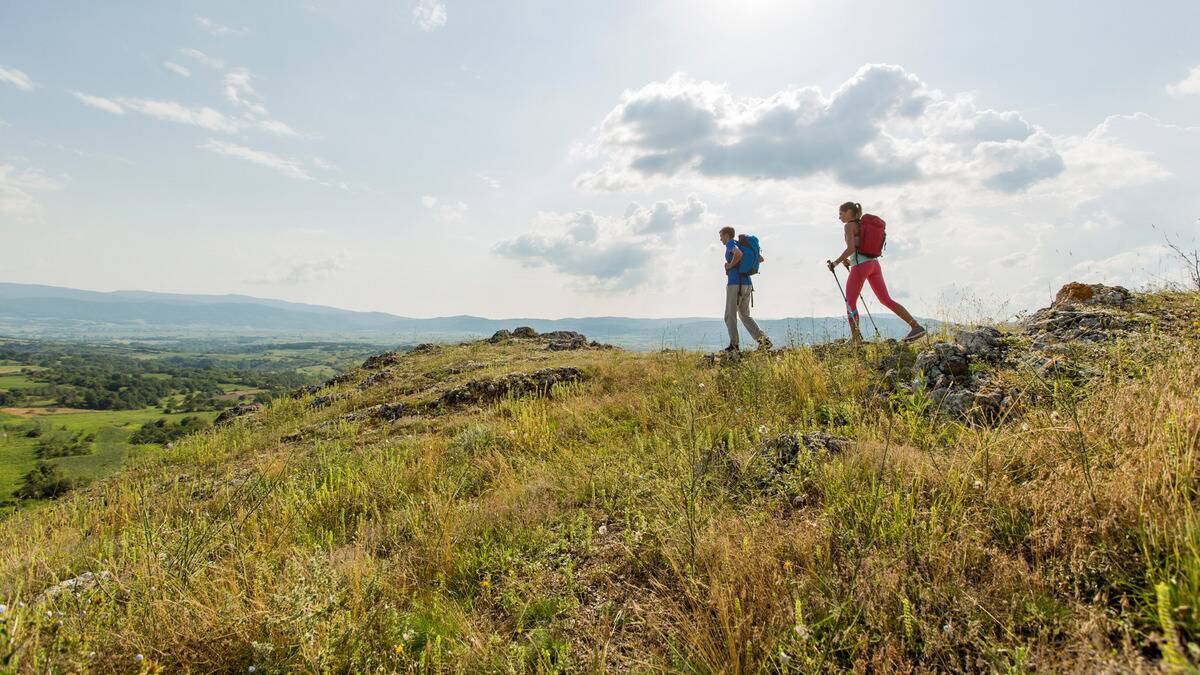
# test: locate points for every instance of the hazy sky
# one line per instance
(576, 158)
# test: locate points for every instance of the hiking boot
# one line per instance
(731, 349)
(764, 343)
(917, 332)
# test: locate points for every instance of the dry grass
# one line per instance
(630, 522)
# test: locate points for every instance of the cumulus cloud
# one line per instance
(202, 58)
(883, 126)
(219, 30)
(444, 211)
(17, 188)
(607, 254)
(1189, 85)
(177, 69)
(16, 78)
(289, 167)
(429, 15)
(171, 111)
(100, 103)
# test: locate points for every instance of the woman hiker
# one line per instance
(864, 267)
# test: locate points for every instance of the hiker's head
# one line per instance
(850, 211)
(727, 233)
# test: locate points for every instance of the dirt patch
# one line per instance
(50, 410)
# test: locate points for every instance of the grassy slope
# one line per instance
(630, 522)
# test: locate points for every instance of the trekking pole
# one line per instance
(845, 302)
(864, 302)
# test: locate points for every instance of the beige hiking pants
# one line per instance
(737, 303)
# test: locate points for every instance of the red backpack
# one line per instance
(872, 233)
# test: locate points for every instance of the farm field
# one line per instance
(111, 428)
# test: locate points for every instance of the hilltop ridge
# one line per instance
(1017, 498)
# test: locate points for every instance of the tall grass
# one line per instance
(634, 521)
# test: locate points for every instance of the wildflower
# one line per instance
(602, 530)
(20, 605)
(1024, 426)
(485, 584)
(399, 649)
(138, 659)
(251, 669)
(3, 609)
(787, 565)
(801, 631)
(49, 614)
(762, 428)
(946, 627)
(701, 386)
(408, 635)
(784, 658)
(977, 484)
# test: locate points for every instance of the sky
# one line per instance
(559, 159)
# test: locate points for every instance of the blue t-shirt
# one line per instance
(735, 277)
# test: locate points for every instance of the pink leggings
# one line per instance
(870, 272)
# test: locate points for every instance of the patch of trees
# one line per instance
(162, 431)
(11, 397)
(45, 481)
(63, 443)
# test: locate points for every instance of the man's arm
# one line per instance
(737, 257)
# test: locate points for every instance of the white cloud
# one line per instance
(202, 58)
(445, 211)
(177, 69)
(289, 167)
(488, 180)
(17, 188)
(429, 15)
(604, 254)
(296, 271)
(16, 78)
(1189, 85)
(218, 30)
(203, 117)
(322, 164)
(881, 127)
(100, 103)
(276, 127)
(238, 89)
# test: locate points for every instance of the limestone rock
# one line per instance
(383, 360)
(943, 364)
(980, 341)
(237, 411)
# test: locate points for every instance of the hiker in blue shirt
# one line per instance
(738, 290)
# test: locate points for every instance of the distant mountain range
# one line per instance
(63, 313)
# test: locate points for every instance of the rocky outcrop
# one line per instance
(783, 450)
(237, 411)
(1076, 293)
(375, 379)
(949, 382)
(379, 361)
(512, 384)
(474, 392)
(555, 341)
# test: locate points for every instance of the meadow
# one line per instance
(663, 512)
